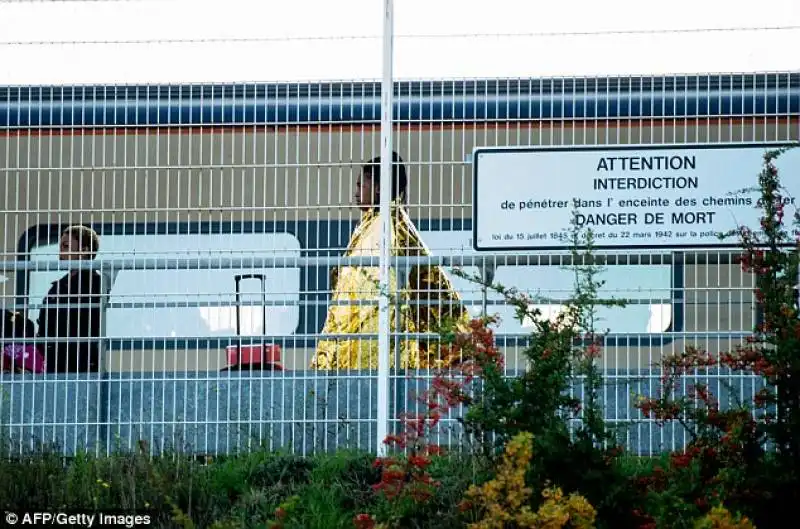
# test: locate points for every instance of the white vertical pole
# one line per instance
(384, 329)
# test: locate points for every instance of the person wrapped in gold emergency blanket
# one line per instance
(428, 301)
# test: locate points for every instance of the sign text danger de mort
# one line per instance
(645, 197)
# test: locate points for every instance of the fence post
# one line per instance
(387, 93)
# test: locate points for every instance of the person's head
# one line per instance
(78, 242)
(368, 183)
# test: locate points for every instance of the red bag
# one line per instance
(19, 358)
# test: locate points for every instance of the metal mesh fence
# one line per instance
(229, 229)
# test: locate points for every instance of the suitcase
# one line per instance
(256, 356)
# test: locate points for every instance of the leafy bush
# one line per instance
(744, 455)
(573, 448)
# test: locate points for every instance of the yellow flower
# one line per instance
(720, 518)
(505, 497)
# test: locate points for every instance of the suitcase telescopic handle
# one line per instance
(238, 279)
(241, 277)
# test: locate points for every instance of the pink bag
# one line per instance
(22, 357)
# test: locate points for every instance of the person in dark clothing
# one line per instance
(71, 310)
